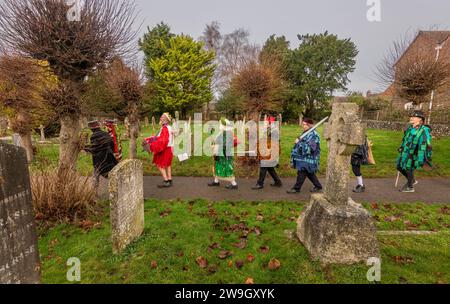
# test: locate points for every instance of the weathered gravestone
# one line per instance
(333, 227)
(17, 140)
(126, 188)
(19, 256)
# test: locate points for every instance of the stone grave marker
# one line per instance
(126, 188)
(334, 228)
(19, 256)
(17, 140)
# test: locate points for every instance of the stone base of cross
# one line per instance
(333, 227)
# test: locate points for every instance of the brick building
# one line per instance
(435, 43)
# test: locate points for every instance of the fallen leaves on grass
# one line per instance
(224, 254)
(241, 245)
(274, 264)
(165, 213)
(154, 265)
(88, 225)
(402, 260)
(213, 269)
(445, 210)
(374, 206)
(239, 264)
(250, 258)
(202, 262)
(391, 219)
(249, 281)
(257, 230)
(264, 249)
(212, 247)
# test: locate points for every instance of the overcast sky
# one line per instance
(346, 18)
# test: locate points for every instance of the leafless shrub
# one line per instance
(70, 198)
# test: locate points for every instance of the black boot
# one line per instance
(258, 187)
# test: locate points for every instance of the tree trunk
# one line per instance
(27, 144)
(69, 138)
(133, 118)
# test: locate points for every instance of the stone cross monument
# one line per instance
(343, 132)
(333, 227)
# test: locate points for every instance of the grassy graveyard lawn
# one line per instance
(385, 148)
(201, 242)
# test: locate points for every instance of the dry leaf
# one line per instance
(274, 264)
(224, 254)
(264, 249)
(239, 264)
(213, 269)
(202, 262)
(249, 281)
(241, 245)
(154, 264)
(165, 213)
(250, 258)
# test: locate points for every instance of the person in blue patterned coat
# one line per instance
(305, 157)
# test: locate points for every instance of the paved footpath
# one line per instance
(429, 190)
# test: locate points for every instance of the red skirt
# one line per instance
(164, 159)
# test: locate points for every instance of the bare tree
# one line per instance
(126, 83)
(413, 72)
(233, 52)
(40, 29)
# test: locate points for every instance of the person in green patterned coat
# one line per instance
(415, 151)
(224, 156)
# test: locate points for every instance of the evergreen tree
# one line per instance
(318, 67)
(183, 75)
(152, 44)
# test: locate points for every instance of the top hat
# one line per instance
(94, 125)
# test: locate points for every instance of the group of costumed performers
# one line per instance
(223, 152)
(102, 147)
(415, 153)
(162, 147)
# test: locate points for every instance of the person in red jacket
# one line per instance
(162, 148)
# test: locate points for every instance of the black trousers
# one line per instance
(409, 174)
(301, 177)
(263, 173)
(356, 169)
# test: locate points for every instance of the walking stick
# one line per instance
(398, 177)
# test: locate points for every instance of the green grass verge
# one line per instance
(385, 153)
(178, 232)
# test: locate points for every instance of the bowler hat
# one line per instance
(418, 113)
